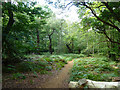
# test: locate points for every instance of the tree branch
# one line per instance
(110, 38)
(93, 12)
(51, 32)
(11, 20)
(110, 9)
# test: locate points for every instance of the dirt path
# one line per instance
(57, 79)
(61, 79)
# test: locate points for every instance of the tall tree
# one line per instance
(17, 18)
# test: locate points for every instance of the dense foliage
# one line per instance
(19, 28)
(41, 64)
(28, 28)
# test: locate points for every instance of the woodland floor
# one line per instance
(55, 79)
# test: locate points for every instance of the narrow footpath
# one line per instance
(58, 79)
(61, 80)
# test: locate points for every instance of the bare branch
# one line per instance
(68, 4)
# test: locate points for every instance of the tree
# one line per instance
(17, 19)
(52, 27)
(104, 20)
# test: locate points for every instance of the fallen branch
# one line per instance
(93, 84)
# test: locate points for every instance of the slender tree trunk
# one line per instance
(79, 50)
(38, 38)
(93, 46)
(50, 44)
(72, 46)
(69, 49)
(50, 39)
(98, 45)
(112, 56)
(6, 45)
(118, 45)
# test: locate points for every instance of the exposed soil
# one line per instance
(55, 79)
(61, 80)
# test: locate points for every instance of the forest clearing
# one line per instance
(55, 71)
(60, 44)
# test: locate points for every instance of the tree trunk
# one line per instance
(94, 84)
(38, 38)
(50, 44)
(50, 39)
(72, 46)
(6, 46)
(79, 50)
(69, 49)
(112, 56)
(87, 48)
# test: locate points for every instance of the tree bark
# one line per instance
(79, 50)
(69, 49)
(50, 44)
(72, 46)
(38, 38)
(10, 23)
(6, 46)
(50, 40)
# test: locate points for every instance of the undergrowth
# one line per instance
(98, 69)
(39, 63)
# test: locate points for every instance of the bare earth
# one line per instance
(57, 79)
(60, 80)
